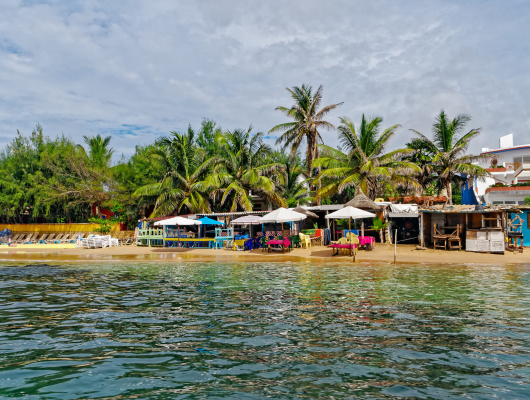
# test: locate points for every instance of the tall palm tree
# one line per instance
(307, 120)
(182, 187)
(240, 170)
(99, 152)
(364, 163)
(448, 147)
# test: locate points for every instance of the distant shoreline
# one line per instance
(317, 255)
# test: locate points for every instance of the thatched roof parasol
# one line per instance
(363, 202)
(301, 210)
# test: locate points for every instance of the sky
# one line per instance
(138, 70)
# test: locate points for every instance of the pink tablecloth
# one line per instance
(284, 242)
(364, 240)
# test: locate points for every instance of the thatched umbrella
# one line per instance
(363, 202)
(301, 210)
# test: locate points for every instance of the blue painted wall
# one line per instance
(468, 196)
(526, 232)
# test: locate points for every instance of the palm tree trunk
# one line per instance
(449, 189)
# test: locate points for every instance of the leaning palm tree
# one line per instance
(448, 148)
(241, 171)
(364, 164)
(183, 186)
(307, 120)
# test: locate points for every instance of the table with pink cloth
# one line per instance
(281, 243)
(367, 241)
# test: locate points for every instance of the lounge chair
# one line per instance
(64, 239)
(42, 239)
(50, 238)
(29, 238)
(22, 237)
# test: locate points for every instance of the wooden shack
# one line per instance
(463, 227)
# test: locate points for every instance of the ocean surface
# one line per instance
(264, 331)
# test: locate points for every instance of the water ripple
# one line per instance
(253, 331)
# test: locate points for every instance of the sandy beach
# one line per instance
(318, 254)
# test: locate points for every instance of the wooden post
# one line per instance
(395, 245)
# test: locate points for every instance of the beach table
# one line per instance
(343, 246)
(281, 243)
(367, 242)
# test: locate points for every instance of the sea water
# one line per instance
(262, 331)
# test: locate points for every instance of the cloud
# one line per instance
(138, 69)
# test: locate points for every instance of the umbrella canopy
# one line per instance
(282, 215)
(301, 210)
(246, 220)
(210, 221)
(178, 221)
(350, 212)
(363, 202)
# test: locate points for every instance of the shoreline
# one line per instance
(406, 254)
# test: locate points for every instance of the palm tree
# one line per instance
(307, 120)
(448, 147)
(182, 186)
(364, 163)
(240, 170)
(295, 187)
(99, 152)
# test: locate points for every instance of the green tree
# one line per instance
(206, 136)
(294, 186)
(99, 152)
(241, 170)
(130, 175)
(182, 188)
(307, 120)
(364, 163)
(448, 147)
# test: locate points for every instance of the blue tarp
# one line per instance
(5, 232)
(209, 221)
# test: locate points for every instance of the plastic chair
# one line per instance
(305, 240)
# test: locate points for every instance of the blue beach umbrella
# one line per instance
(209, 221)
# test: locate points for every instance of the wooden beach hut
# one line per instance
(463, 227)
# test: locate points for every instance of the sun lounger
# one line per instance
(51, 238)
(29, 238)
(42, 239)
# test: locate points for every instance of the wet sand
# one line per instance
(318, 254)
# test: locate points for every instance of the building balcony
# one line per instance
(510, 189)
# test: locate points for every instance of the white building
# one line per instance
(509, 166)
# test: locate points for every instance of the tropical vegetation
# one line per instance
(447, 150)
(211, 169)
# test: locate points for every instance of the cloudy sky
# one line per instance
(139, 69)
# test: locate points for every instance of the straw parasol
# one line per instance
(362, 202)
(301, 210)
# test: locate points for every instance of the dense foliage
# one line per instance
(211, 169)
